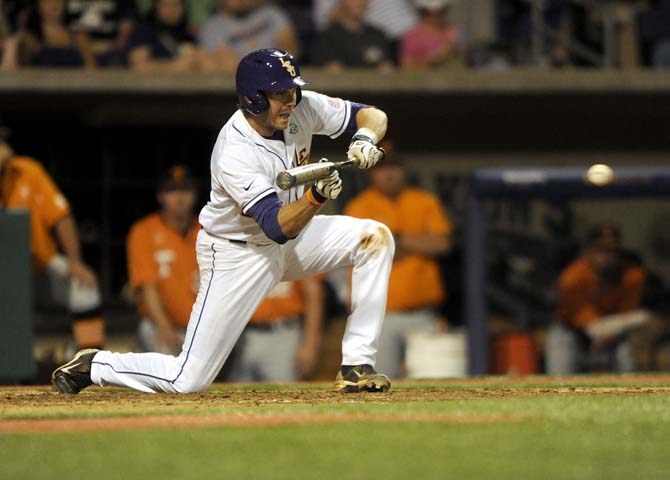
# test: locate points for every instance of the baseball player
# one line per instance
(254, 236)
(162, 267)
(24, 184)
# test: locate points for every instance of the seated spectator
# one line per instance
(163, 41)
(350, 42)
(514, 22)
(433, 42)
(422, 232)
(281, 341)
(108, 23)
(48, 42)
(197, 11)
(654, 28)
(600, 297)
(242, 26)
(162, 263)
(393, 17)
(8, 44)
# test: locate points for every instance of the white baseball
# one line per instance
(600, 174)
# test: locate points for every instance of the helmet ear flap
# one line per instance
(255, 105)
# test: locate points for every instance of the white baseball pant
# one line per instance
(235, 278)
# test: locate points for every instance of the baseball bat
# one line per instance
(308, 173)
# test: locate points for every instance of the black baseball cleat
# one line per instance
(361, 378)
(75, 375)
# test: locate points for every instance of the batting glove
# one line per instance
(329, 187)
(363, 151)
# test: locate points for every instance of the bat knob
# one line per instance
(285, 180)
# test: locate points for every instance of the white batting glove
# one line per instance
(329, 187)
(363, 151)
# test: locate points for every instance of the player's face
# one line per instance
(388, 179)
(177, 204)
(282, 104)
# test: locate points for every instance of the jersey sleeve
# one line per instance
(142, 269)
(52, 204)
(327, 115)
(245, 180)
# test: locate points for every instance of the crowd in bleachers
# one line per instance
(211, 35)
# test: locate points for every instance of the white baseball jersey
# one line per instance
(234, 277)
(245, 164)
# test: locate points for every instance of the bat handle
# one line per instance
(285, 180)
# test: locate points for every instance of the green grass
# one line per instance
(556, 436)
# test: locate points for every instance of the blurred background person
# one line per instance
(47, 41)
(349, 42)
(197, 11)
(422, 232)
(434, 42)
(241, 26)
(24, 184)
(163, 42)
(281, 341)
(654, 30)
(8, 42)
(162, 265)
(393, 17)
(108, 23)
(600, 295)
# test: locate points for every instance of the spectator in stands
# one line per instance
(350, 42)
(599, 304)
(515, 29)
(24, 184)
(654, 28)
(393, 17)
(197, 11)
(48, 42)
(242, 26)
(422, 232)
(162, 264)
(433, 42)
(281, 341)
(108, 23)
(163, 41)
(8, 44)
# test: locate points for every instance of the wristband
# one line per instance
(365, 134)
(314, 197)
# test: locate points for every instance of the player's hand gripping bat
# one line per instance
(308, 173)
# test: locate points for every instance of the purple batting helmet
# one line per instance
(267, 70)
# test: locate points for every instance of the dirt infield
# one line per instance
(38, 409)
(250, 420)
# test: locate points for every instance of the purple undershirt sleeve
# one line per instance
(265, 214)
(355, 107)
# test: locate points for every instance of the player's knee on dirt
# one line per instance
(190, 385)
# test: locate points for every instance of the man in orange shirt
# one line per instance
(162, 264)
(281, 341)
(24, 184)
(599, 304)
(422, 231)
